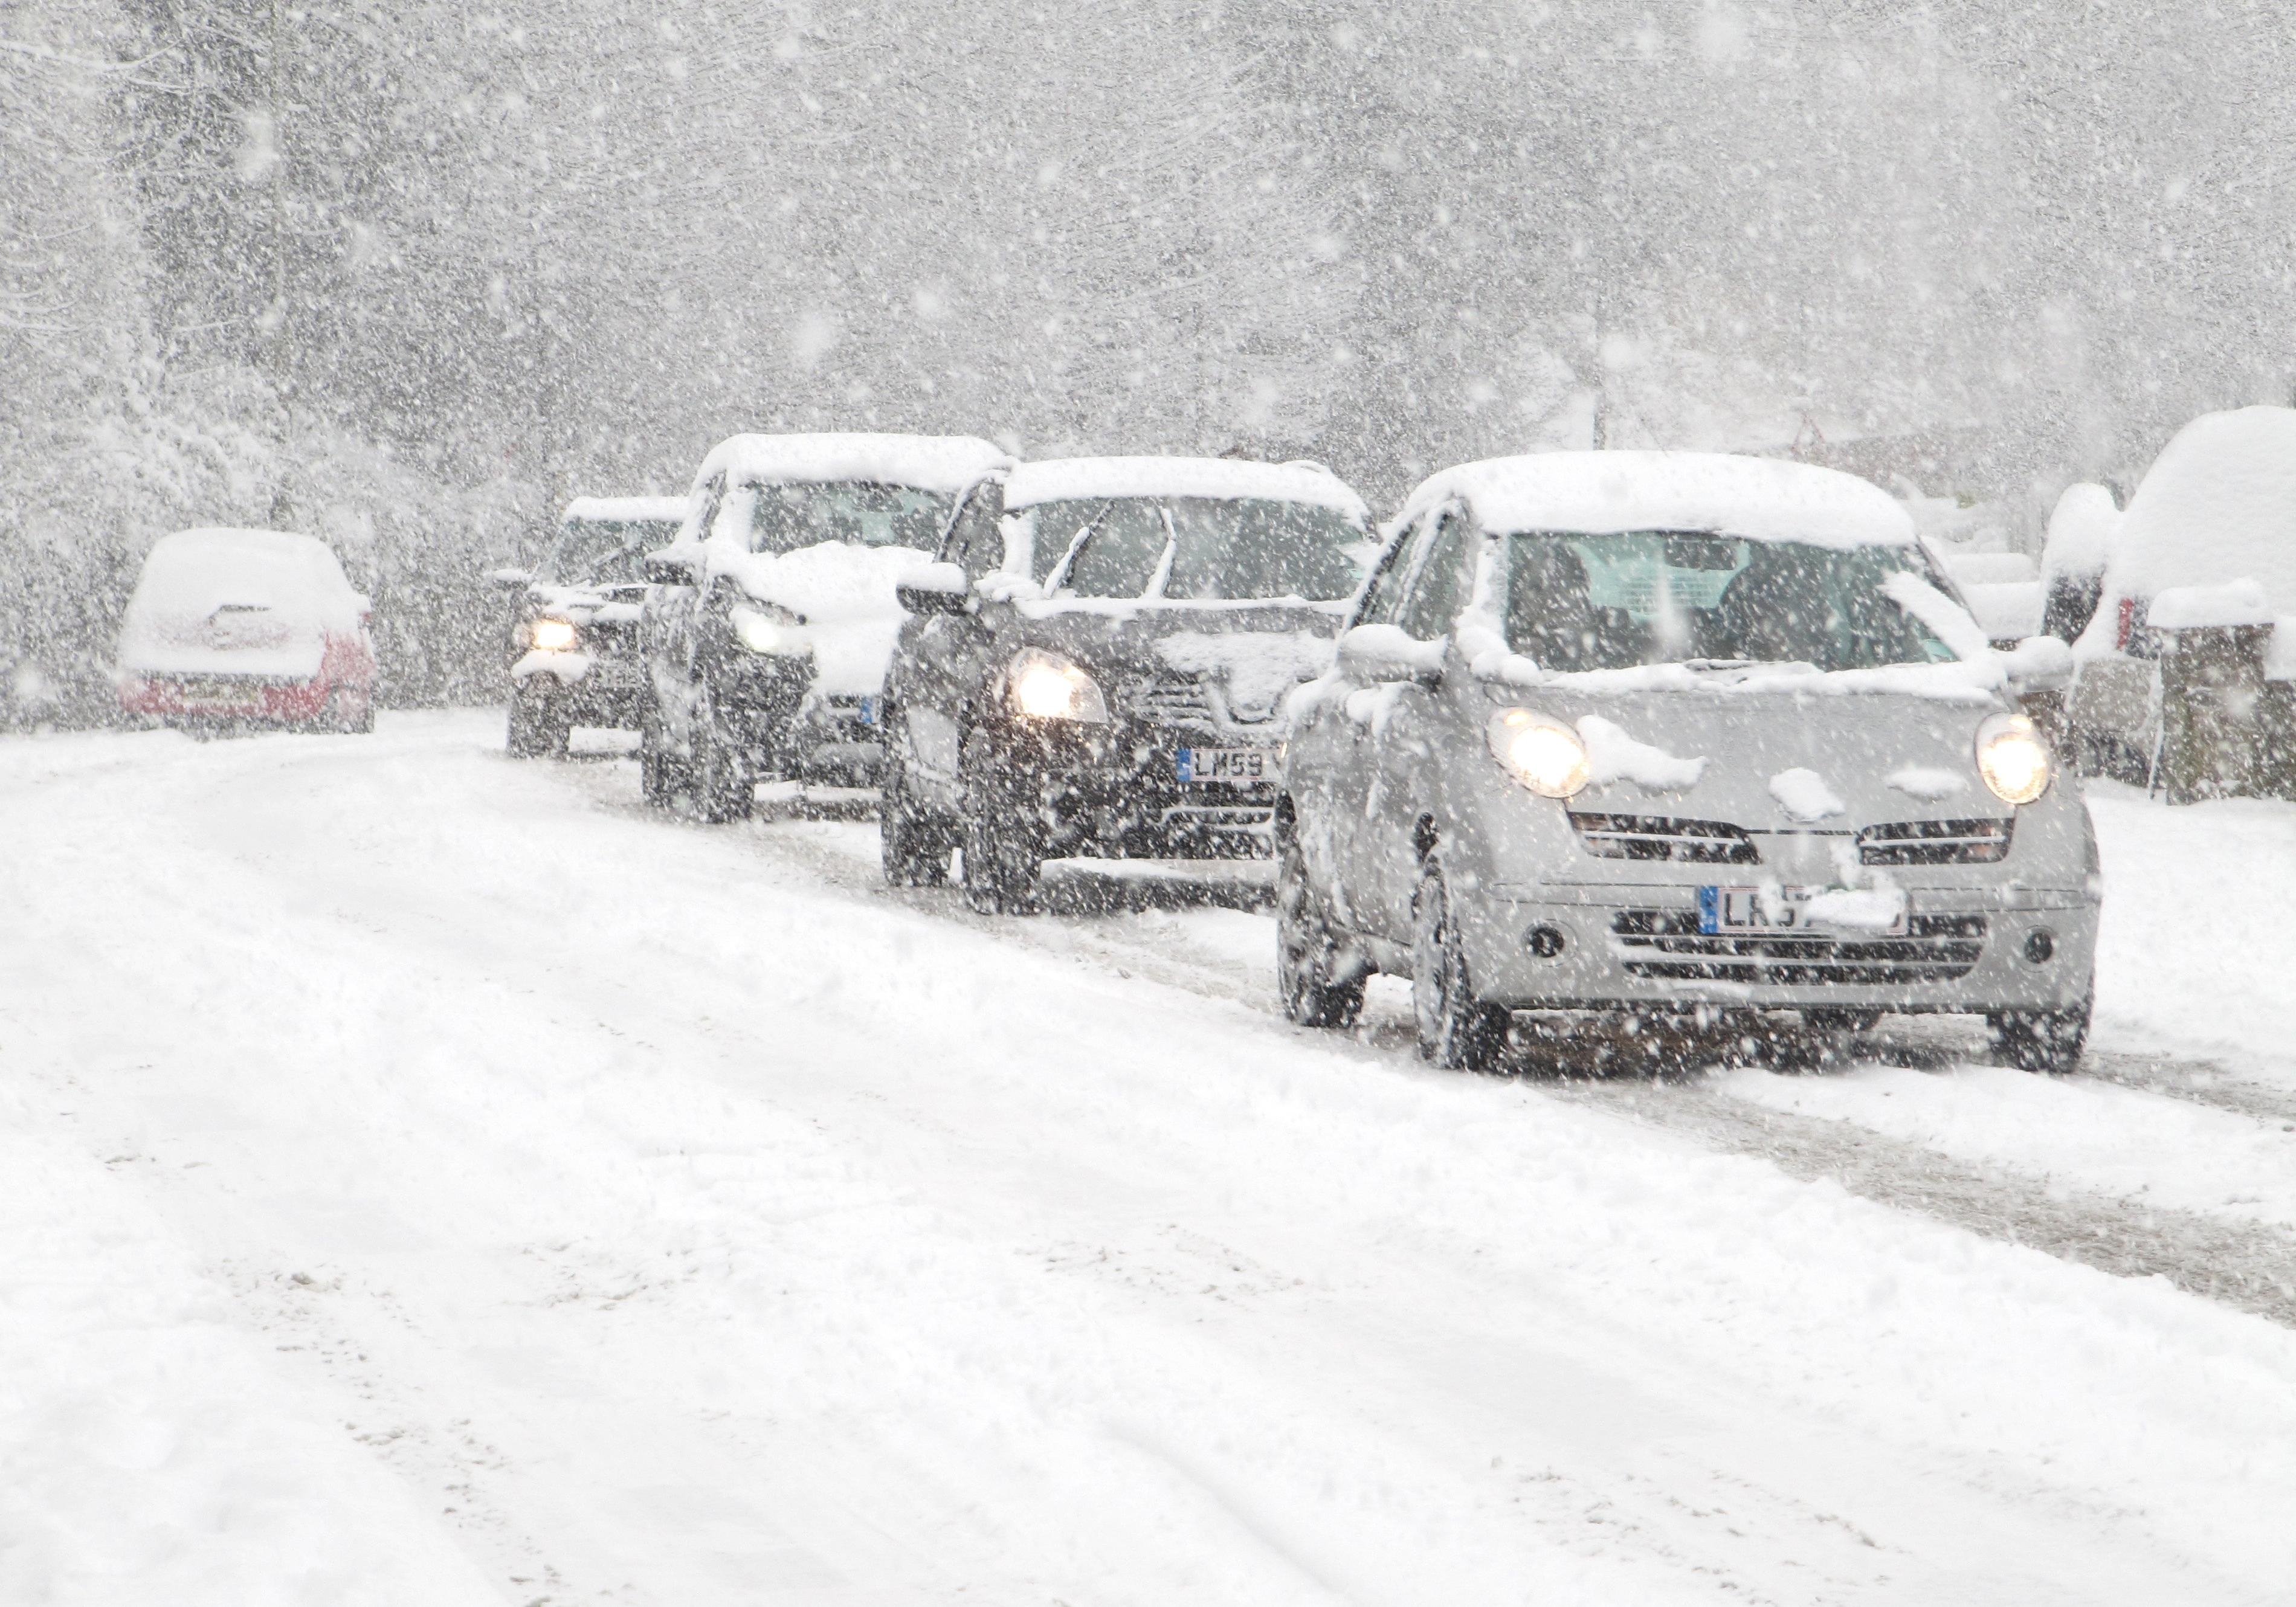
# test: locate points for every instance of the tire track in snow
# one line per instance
(2248, 1267)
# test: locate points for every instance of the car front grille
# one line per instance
(1666, 945)
(1173, 703)
(1661, 837)
(1936, 841)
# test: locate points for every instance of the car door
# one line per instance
(940, 658)
(1333, 771)
(1400, 740)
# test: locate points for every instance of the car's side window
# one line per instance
(1441, 586)
(975, 543)
(712, 495)
(1385, 596)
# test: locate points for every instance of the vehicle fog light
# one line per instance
(2040, 945)
(1544, 941)
(555, 636)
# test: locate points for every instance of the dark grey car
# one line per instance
(1102, 675)
(573, 647)
(1678, 738)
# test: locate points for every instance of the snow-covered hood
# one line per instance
(1252, 654)
(846, 596)
(588, 604)
(1770, 757)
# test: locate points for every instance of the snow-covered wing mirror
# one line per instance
(511, 579)
(1375, 654)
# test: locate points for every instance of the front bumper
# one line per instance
(1114, 791)
(1622, 947)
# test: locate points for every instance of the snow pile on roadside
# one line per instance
(149, 1450)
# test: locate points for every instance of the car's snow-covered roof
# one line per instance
(1222, 479)
(1759, 498)
(625, 509)
(2218, 505)
(929, 463)
(220, 544)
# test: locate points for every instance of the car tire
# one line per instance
(660, 776)
(1304, 949)
(723, 787)
(2046, 1041)
(1003, 847)
(536, 730)
(1456, 1028)
(916, 845)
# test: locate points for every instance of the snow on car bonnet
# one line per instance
(1597, 493)
(930, 463)
(1218, 478)
(2218, 506)
(245, 602)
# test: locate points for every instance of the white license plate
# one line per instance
(1728, 909)
(1235, 766)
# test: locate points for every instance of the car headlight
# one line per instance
(2013, 759)
(766, 630)
(1543, 754)
(1045, 686)
(555, 635)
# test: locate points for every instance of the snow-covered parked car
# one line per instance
(768, 622)
(1102, 675)
(2084, 528)
(246, 628)
(2183, 674)
(1677, 736)
(573, 646)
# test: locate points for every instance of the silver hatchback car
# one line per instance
(1678, 741)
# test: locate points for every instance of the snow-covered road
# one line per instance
(429, 1179)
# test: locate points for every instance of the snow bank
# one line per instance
(930, 463)
(1259, 667)
(1615, 754)
(1074, 478)
(2218, 505)
(1759, 498)
(238, 602)
(1804, 795)
(625, 509)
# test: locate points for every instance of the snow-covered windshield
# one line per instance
(787, 518)
(1197, 549)
(1613, 602)
(607, 552)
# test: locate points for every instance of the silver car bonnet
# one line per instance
(1772, 752)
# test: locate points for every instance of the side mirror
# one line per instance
(669, 567)
(511, 579)
(937, 588)
(1377, 654)
(2040, 664)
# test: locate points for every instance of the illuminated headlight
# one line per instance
(1543, 754)
(555, 635)
(1045, 686)
(766, 630)
(2012, 758)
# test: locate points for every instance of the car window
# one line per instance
(1440, 587)
(1384, 599)
(787, 518)
(1122, 553)
(712, 495)
(976, 542)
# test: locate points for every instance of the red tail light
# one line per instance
(2128, 621)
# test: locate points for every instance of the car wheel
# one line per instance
(536, 731)
(660, 776)
(1455, 1029)
(1004, 848)
(2043, 1040)
(1304, 950)
(916, 845)
(723, 787)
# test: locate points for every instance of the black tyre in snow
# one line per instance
(1003, 842)
(723, 787)
(1456, 1028)
(537, 730)
(661, 775)
(915, 843)
(2044, 1040)
(1305, 953)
